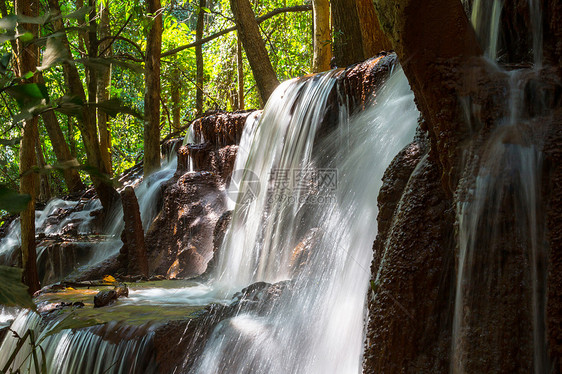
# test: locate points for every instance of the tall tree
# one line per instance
(240, 69)
(249, 32)
(61, 149)
(152, 89)
(322, 37)
(27, 62)
(103, 82)
(348, 39)
(199, 57)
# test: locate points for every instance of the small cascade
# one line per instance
(319, 326)
(87, 350)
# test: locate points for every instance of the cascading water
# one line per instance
(319, 327)
(500, 234)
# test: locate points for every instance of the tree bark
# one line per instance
(28, 180)
(240, 68)
(152, 90)
(374, 39)
(348, 40)
(44, 187)
(61, 149)
(176, 98)
(266, 79)
(199, 57)
(322, 36)
(104, 75)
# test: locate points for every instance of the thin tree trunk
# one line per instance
(103, 90)
(61, 149)
(152, 90)
(240, 66)
(248, 31)
(176, 97)
(44, 190)
(199, 57)
(28, 60)
(348, 41)
(322, 36)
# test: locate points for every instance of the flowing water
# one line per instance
(320, 326)
(502, 255)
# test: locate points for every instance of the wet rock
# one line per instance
(107, 297)
(553, 195)
(301, 252)
(205, 157)
(133, 252)
(180, 240)
(179, 344)
(409, 324)
(220, 129)
(171, 146)
(218, 237)
(104, 298)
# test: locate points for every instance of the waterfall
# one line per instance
(502, 257)
(319, 327)
(89, 350)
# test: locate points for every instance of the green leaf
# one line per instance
(28, 75)
(12, 291)
(5, 61)
(29, 94)
(55, 53)
(26, 37)
(12, 201)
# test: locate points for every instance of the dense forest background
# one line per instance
(106, 45)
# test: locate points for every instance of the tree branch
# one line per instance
(296, 8)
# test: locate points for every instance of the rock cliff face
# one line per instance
(462, 279)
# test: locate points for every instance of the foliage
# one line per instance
(12, 291)
(287, 36)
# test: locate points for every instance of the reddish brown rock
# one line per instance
(180, 240)
(218, 238)
(220, 129)
(205, 157)
(409, 307)
(133, 252)
(553, 151)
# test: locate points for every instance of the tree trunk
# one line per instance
(28, 60)
(249, 32)
(43, 192)
(61, 149)
(322, 36)
(348, 40)
(87, 120)
(176, 98)
(199, 57)
(152, 90)
(374, 40)
(104, 75)
(240, 67)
